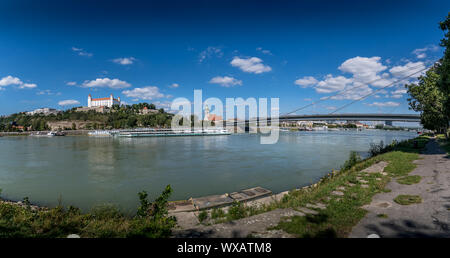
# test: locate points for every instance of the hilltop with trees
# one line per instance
(116, 117)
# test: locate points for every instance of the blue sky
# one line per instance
(55, 53)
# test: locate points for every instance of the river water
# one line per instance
(88, 171)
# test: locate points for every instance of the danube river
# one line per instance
(88, 171)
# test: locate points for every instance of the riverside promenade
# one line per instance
(430, 218)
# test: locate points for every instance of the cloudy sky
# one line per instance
(55, 53)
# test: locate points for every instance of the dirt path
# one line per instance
(431, 218)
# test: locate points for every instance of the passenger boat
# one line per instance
(56, 133)
(101, 133)
(40, 134)
(169, 132)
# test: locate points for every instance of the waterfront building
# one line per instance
(146, 111)
(103, 102)
(45, 111)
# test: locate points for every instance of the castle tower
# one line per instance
(89, 100)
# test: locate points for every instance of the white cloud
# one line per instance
(359, 92)
(364, 69)
(366, 73)
(407, 69)
(160, 104)
(384, 104)
(250, 65)
(333, 84)
(210, 52)
(68, 102)
(421, 53)
(106, 83)
(44, 92)
(264, 51)
(174, 85)
(81, 52)
(27, 86)
(400, 91)
(71, 83)
(225, 81)
(10, 80)
(124, 60)
(144, 93)
(306, 81)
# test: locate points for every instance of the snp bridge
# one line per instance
(353, 117)
(387, 118)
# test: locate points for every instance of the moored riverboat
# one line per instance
(170, 132)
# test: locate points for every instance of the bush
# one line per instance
(157, 209)
(352, 160)
(103, 221)
(217, 213)
(202, 216)
(376, 149)
(237, 211)
(104, 211)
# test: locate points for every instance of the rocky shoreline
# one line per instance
(24, 205)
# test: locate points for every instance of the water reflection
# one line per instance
(87, 171)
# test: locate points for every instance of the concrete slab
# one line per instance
(376, 168)
(181, 206)
(249, 194)
(316, 206)
(212, 201)
(307, 211)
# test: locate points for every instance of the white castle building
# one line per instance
(103, 102)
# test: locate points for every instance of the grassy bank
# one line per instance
(23, 221)
(343, 212)
(342, 193)
(445, 143)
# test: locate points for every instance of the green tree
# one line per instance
(427, 98)
(444, 68)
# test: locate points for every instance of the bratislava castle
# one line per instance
(103, 102)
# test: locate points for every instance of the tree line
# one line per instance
(431, 94)
(116, 117)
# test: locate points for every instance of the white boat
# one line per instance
(38, 134)
(100, 133)
(170, 132)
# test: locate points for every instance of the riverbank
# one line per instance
(24, 220)
(68, 132)
(329, 208)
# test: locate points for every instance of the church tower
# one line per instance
(206, 113)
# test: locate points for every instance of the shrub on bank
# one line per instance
(103, 221)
